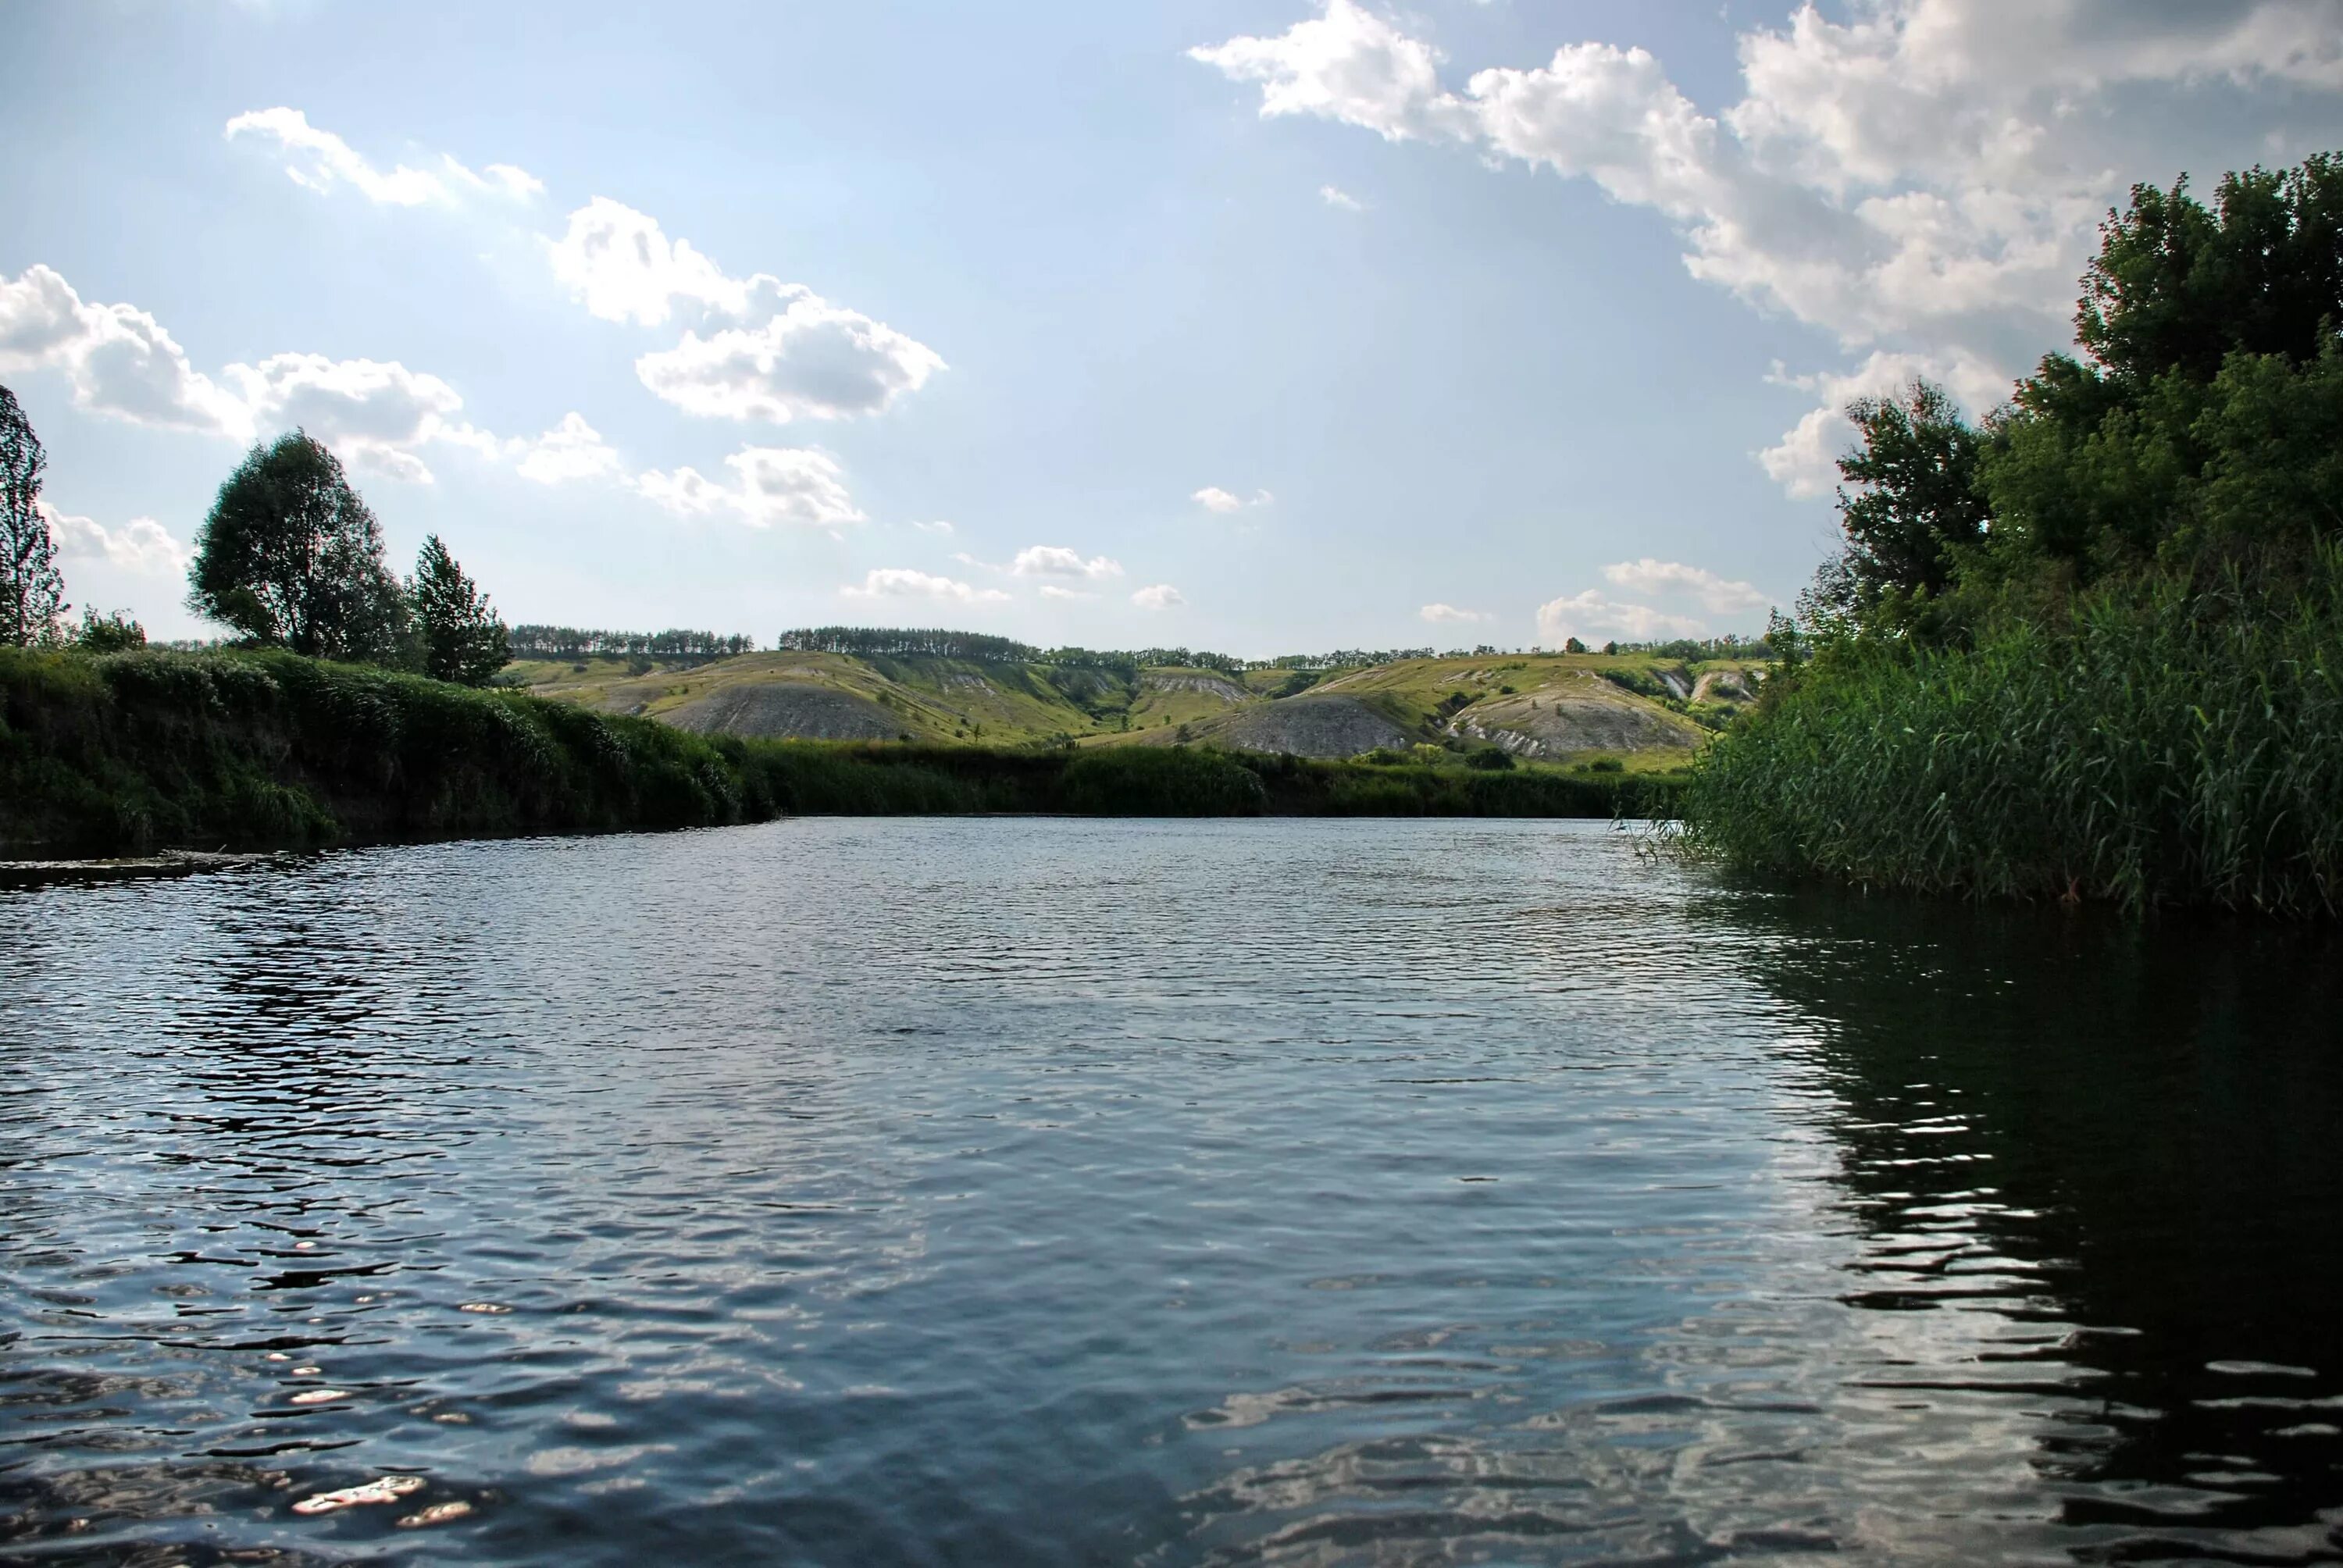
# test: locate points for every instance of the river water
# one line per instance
(1051, 1191)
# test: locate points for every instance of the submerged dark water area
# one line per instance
(1049, 1191)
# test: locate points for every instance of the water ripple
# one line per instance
(1053, 1191)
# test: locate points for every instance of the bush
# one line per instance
(116, 633)
(1157, 781)
(1491, 758)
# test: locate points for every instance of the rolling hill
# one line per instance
(1648, 712)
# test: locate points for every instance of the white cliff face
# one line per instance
(1538, 725)
(1311, 726)
(1204, 685)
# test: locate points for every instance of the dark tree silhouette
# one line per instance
(462, 638)
(290, 555)
(32, 593)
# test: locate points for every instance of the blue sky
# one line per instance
(1256, 324)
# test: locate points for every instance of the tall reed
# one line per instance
(2165, 747)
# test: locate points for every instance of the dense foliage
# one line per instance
(934, 642)
(2198, 432)
(290, 556)
(111, 633)
(2163, 745)
(459, 636)
(536, 641)
(135, 750)
(978, 648)
(2090, 647)
(32, 593)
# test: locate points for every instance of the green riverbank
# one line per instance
(2158, 748)
(122, 753)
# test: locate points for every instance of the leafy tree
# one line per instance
(2197, 428)
(2178, 286)
(114, 633)
(31, 592)
(462, 638)
(1916, 505)
(1572, 645)
(291, 555)
(2200, 426)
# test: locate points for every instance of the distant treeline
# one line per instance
(558, 642)
(895, 642)
(577, 642)
(1691, 650)
(899, 641)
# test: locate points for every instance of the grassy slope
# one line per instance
(941, 700)
(132, 752)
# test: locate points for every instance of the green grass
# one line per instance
(2164, 748)
(944, 700)
(125, 752)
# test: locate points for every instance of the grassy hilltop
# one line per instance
(1648, 713)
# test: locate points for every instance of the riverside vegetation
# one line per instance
(2091, 647)
(127, 750)
(357, 705)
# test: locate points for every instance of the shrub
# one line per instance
(1157, 781)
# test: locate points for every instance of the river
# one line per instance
(1055, 1191)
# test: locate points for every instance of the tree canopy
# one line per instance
(2196, 430)
(290, 555)
(32, 592)
(460, 638)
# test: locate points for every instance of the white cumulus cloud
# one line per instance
(1441, 613)
(1051, 590)
(622, 266)
(770, 485)
(373, 413)
(1336, 196)
(141, 545)
(1158, 595)
(1919, 182)
(1057, 561)
(1347, 65)
(572, 449)
(1591, 617)
(116, 359)
(902, 582)
(1213, 498)
(119, 361)
(1653, 579)
(759, 348)
(808, 359)
(318, 160)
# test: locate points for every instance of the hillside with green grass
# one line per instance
(1648, 712)
(128, 752)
